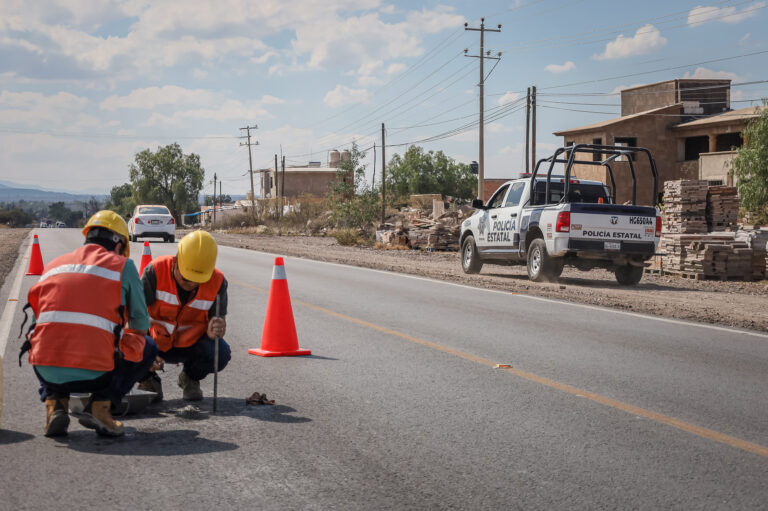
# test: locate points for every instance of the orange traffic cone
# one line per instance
(279, 335)
(36, 260)
(146, 258)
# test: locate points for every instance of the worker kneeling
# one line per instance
(77, 342)
(182, 292)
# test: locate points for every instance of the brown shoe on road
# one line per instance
(190, 387)
(152, 384)
(56, 416)
(96, 416)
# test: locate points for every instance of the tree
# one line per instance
(167, 177)
(419, 172)
(15, 217)
(353, 203)
(750, 167)
(121, 200)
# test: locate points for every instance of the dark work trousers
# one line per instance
(198, 358)
(112, 385)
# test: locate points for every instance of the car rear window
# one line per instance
(578, 192)
(154, 210)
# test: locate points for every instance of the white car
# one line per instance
(152, 221)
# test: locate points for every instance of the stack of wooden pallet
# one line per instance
(717, 255)
(685, 204)
(722, 208)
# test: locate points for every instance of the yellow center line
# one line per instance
(563, 387)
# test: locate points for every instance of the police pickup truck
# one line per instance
(546, 221)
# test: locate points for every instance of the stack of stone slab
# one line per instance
(722, 208)
(716, 255)
(685, 204)
(757, 240)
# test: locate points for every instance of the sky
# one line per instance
(85, 85)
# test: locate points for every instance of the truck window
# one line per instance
(515, 193)
(498, 198)
(579, 192)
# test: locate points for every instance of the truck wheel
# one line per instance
(470, 259)
(541, 267)
(629, 275)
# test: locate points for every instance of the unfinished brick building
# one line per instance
(687, 124)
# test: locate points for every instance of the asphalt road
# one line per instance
(401, 406)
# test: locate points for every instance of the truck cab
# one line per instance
(547, 221)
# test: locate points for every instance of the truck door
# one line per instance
(502, 238)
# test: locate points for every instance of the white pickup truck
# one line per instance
(546, 221)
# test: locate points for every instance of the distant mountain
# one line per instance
(12, 192)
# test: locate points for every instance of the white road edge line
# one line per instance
(521, 295)
(10, 307)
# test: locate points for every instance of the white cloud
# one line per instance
(199, 74)
(622, 87)
(152, 97)
(509, 97)
(561, 68)
(343, 95)
(33, 109)
(497, 127)
(701, 14)
(708, 74)
(396, 67)
(647, 39)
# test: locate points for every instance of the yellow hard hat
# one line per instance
(197, 256)
(112, 221)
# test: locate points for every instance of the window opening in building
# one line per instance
(625, 142)
(694, 146)
(728, 141)
(597, 156)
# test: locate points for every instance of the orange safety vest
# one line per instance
(174, 325)
(76, 304)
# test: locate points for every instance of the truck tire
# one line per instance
(541, 267)
(470, 259)
(629, 275)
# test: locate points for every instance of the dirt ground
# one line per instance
(10, 240)
(729, 303)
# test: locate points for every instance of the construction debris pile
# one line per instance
(417, 228)
(699, 238)
(757, 240)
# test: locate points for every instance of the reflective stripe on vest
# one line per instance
(167, 297)
(203, 305)
(168, 326)
(77, 318)
(89, 269)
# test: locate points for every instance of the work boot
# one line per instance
(152, 384)
(190, 387)
(96, 416)
(56, 416)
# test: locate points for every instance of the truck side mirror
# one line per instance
(478, 204)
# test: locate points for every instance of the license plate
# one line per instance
(154, 221)
(612, 245)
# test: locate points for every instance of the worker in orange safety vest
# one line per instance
(79, 341)
(182, 292)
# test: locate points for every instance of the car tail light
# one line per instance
(563, 222)
(171, 221)
(572, 181)
(658, 226)
(137, 220)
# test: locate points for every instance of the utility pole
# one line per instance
(250, 163)
(383, 175)
(221, 201)
(373, 180)
(213, 203)
(277, 181)
(533, 127)
(282, 188)
(482, 56)
(527, 131)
